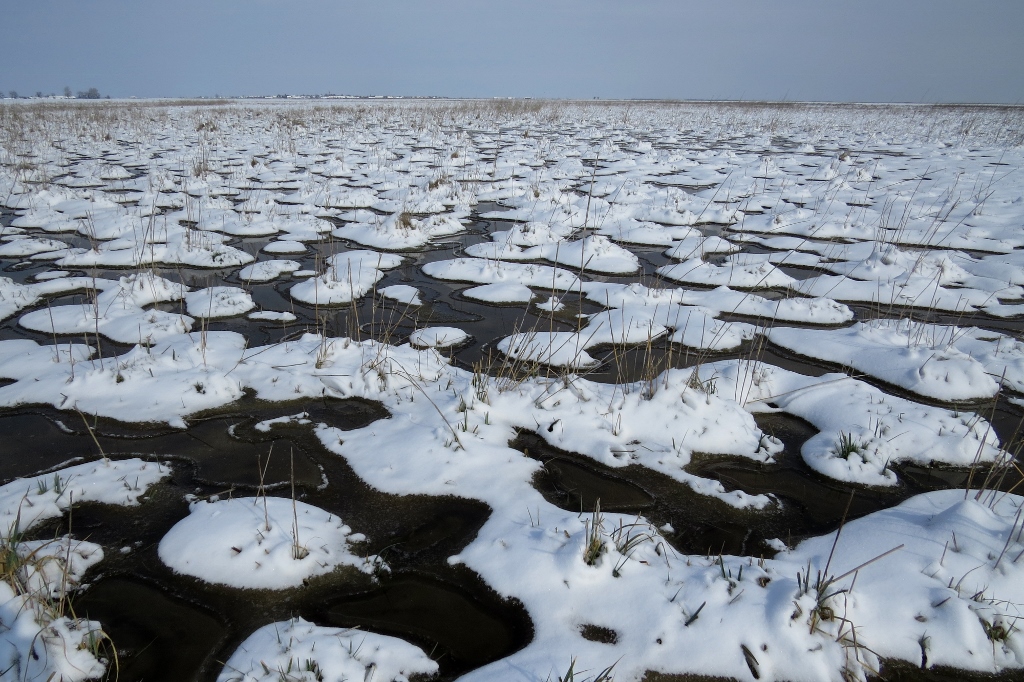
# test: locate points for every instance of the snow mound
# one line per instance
(251, 542)
(285, 246)
(437, 337)
(402, 293)
(219, 302)
(506, 292)
(299, 650)
(349, 275)
(266, 270)
(559, 349)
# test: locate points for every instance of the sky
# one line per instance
(822, 50)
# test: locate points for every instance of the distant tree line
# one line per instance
(91, 93)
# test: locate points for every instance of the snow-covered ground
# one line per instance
(42, 639)
(157, 267)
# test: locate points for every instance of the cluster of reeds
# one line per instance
(42, 575)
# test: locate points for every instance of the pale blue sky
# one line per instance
(870, 50)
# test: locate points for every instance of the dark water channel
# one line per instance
(806, 503)
(170, 628)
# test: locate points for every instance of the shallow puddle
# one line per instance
(224, 448)
(445, 609)
(807, 503)
(158, 637)
(455, 628)
(570, 485)
(453, 525)
(700, 524)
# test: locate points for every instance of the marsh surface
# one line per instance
(662, 254)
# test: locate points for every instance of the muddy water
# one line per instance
(170, 628)
(145, 606)
(572, 485)
(154, 633)
(458, 629)
(806, 503)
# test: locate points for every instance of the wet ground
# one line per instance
(170, 627)
(166, 627)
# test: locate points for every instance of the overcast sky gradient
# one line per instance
(854, 50)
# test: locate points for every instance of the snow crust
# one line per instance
(266, 270)
(910, 356)
(596, 253)
(29, 501)
(272, 316)
(259, 542)
(39, 641)
(290, 647)
(437, 337)
(219, 302)
(883, 428)
(117, 311)
(285, 246)
(484, 271)
(777, 223)
(505, 292)
(402, 293)
(15, 297)
(349, 276)
(400, 231)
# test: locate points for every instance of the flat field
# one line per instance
(510, 390)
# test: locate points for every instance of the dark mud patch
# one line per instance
(902, 671)
(224, 445)
(157, 636)
(597, 633)
(456, 524)
(819, 501)
(571, 485)
(700, 525)
(458, 629)
(448, 610)
(49, 440)
(652, 676)
(806, 503)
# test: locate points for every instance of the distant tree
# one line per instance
(67, 91)
(13, 94)
(91, 93)
(39, 93)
